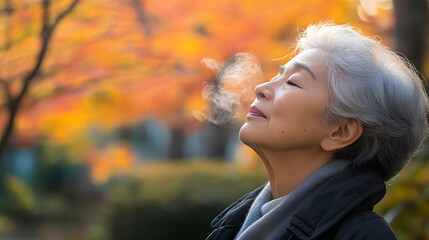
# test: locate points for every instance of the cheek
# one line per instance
(297, 115)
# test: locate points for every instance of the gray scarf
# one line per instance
(273, 223)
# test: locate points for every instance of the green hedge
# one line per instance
(172, 201)
(178, 200)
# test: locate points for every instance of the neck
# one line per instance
(288, 169)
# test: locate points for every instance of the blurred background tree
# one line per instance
(12, 100)
(98, 101)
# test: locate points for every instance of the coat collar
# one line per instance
(235, 214)
(354, 189)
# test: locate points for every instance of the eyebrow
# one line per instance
(300, 65)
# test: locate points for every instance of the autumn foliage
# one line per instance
(114, 63)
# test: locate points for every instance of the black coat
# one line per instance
(341, 209)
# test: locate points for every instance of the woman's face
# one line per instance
(288, 111)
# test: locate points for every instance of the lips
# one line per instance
(253, 111)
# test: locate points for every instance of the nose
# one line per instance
(262, 91)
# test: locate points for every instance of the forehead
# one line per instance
(314, 59)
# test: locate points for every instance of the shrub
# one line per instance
(406, 204)
(173, 201)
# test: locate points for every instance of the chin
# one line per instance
(246, 135)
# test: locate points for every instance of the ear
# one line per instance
(344, 133)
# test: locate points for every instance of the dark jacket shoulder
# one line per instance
(366, 225)
(343, 208)
(340, 209)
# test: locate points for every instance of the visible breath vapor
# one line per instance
(230, 95)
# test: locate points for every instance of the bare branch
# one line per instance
(61, 90)
(8, 10)
(45, 42)
(142, 17)
(6, 90)
(64, 13)
(45, 16)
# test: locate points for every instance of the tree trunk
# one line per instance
(219, 135)
(411, 35)
(411, 30)
(176, 142)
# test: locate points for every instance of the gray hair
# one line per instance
(369, 82)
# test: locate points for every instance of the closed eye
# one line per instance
(292, 84)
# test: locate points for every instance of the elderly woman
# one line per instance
(341, 118)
